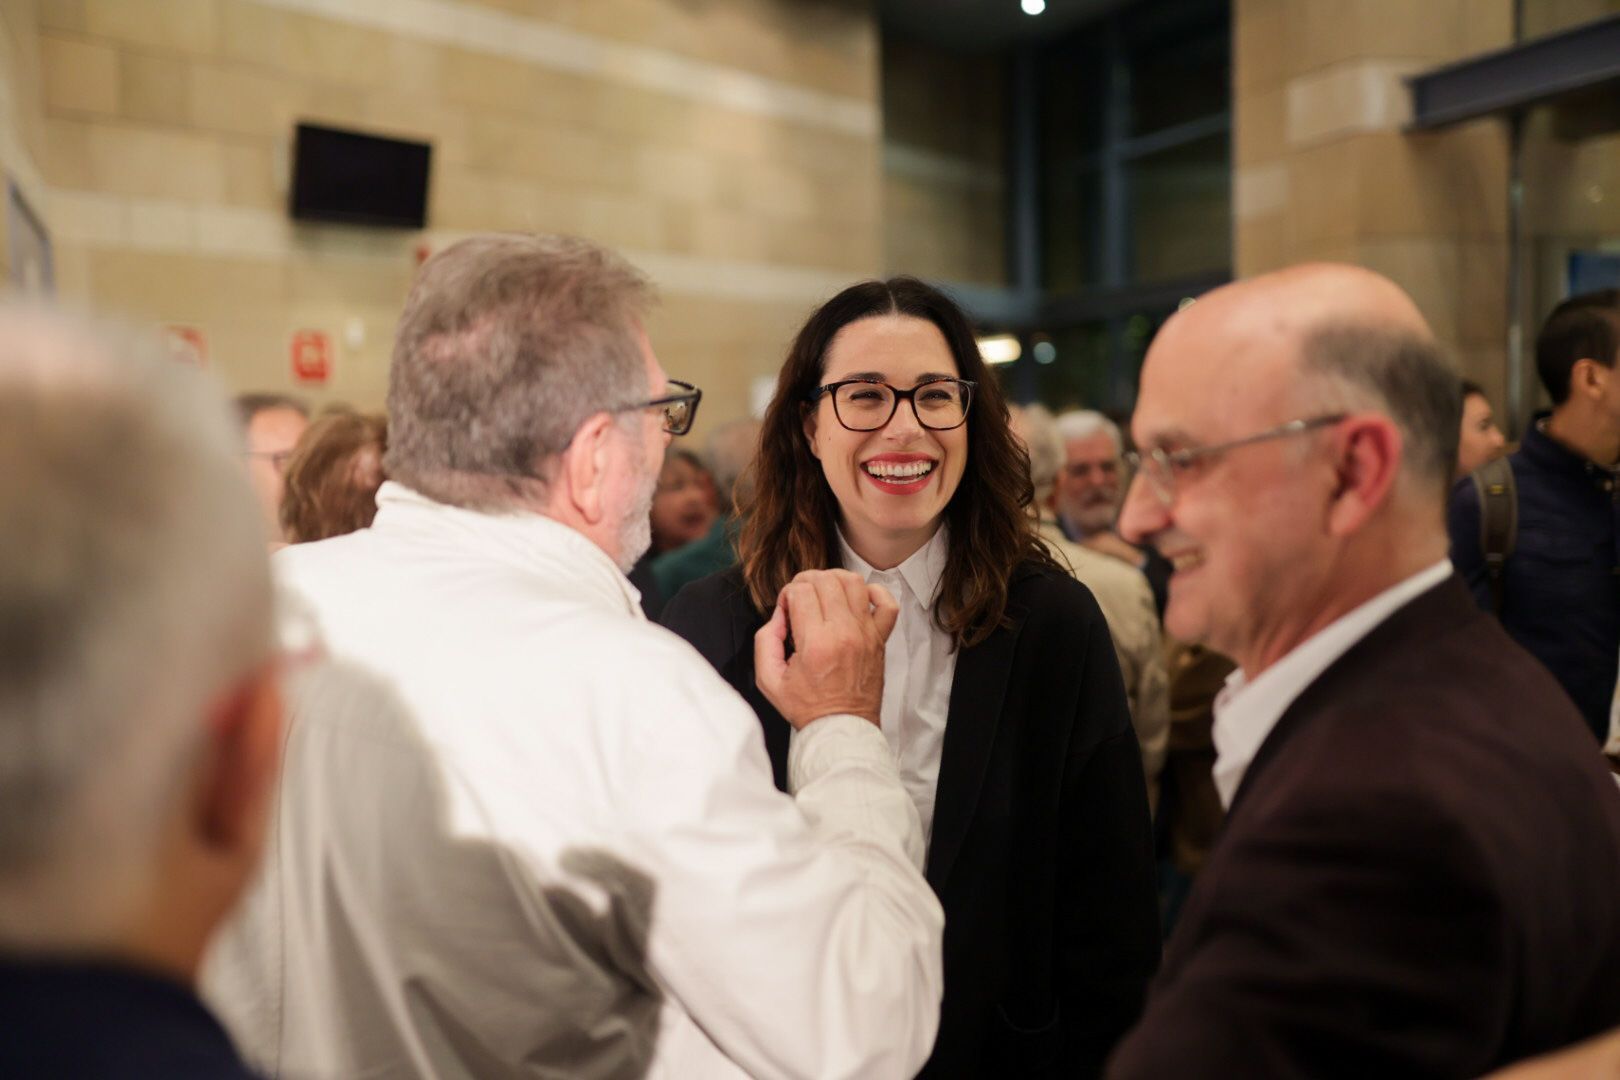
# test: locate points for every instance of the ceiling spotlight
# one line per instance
(1000, 348)
(1033, 7)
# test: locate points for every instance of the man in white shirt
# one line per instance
(1418, 871)
(522, 831)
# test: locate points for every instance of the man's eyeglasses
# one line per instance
(867, 405)
(679, 406)
(1163, 468)
(277, 458)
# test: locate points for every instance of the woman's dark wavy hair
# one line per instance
(789, 521)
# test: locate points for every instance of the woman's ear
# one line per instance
(810, 430)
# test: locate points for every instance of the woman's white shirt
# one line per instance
(918, 668)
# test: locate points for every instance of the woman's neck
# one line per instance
(882, 550)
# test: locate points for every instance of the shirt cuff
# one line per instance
(823, 745)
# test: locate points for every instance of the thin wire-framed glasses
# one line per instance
(278, 459)
(868, 404)
(1163, 468)
(679, 406)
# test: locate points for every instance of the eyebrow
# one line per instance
(1170, 437)
(878, 376)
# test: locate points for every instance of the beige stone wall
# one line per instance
(21, 120)
(944, 191)
(1324, 171)
(730, 147)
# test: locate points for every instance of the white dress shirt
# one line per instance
(919, 666)
(1245, 712)
(522, 831)
(1612, 745)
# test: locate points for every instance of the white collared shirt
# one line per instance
(919, 666)
(520, 828)
(1245, 712)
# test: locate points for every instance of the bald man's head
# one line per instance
(1330, 337)
(1297, 433)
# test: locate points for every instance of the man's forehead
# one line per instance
(1090, 447)
(1206, 386)
(277, 420)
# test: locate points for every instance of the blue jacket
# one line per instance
(96, 1020)
(1561, 588)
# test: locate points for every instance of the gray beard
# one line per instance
(635, 531)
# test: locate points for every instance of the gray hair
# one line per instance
(1045, 446)
(1397, 372)
(507, 344)
(731, 449)
(134, 590)
(1084, 423)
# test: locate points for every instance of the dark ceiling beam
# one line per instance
(1535, 71)
(996, 308)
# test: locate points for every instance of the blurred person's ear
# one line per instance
(1589, 378)
(235, 777)
(1367, 450)
(581, 483)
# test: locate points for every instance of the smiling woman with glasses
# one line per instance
(886, 451)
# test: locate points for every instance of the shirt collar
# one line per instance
(1247, 710)
(921, 572)
(521, 538)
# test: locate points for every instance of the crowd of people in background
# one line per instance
(905, 730)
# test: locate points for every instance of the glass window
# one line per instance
(1181, 210)
(1093, 365)
(1538, 18)
(1077, 377)
(1181, 76)
(1071, 239)
(1571, 220)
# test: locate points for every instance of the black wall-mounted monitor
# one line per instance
(359, 179)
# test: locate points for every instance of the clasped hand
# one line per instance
(839, 626)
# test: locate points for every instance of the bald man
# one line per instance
(1420, 870)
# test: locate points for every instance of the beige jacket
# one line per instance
(1127, 603)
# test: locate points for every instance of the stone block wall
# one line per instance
(732, 148)
(1323, 169)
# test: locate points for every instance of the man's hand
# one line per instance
(839, 625)
(1110, 544)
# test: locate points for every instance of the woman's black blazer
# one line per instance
(1042, 851)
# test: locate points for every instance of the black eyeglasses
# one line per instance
(680, 409)
(867, 404)
(1164, 467)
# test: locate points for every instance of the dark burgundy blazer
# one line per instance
(1419, 876)
(1041, 852)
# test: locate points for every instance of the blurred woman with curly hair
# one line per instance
(331, 483)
